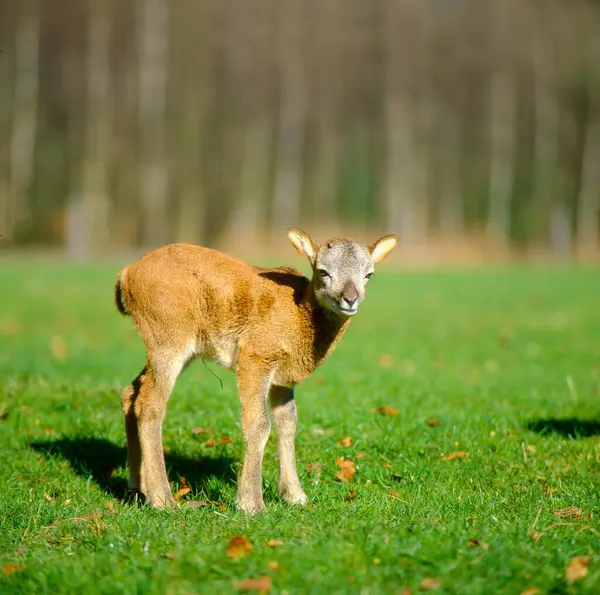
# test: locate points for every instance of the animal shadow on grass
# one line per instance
(99, 458)
(569, 427)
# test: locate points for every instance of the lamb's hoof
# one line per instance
(297, 497)
(250, 506)
(160, 501)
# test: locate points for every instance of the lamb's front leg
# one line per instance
(283, 406)
(253, 386)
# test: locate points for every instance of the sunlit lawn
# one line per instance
(486, 481)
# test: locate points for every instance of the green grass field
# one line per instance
(506, 360)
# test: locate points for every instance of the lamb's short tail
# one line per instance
(119, 294)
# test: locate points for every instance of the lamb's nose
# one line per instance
(350, 300)
(350, 294)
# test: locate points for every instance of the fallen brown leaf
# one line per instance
(273, 565)
(430, 584)
(262, 584)
(531, 448)
(345, 442)
(203, 431)
(274, 542)
(385, 410)
(570, 512)
(461, 454)
(67, 501)
(535, 535)
(347, 470)
(58, 347)
(238, 547)
(361, 455)
(314, 468)
(181, 493)
(226, 440)
(577, 568)
(350, 495)
(385, 360)
(169, 555)
(478, 543)
(195, 504)
(432, 422)
(394, 493)
(210, 442)
(11, 568)
(9, 326)
(531, 591)
(405, 591)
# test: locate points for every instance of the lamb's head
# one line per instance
(341, 268)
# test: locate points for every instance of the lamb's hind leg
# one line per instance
(134, 453)
(144, 406)
(283, 407)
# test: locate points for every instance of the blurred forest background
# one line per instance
(463, 124)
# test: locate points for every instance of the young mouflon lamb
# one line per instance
(272, 326)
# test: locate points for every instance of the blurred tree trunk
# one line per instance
(291, 125)
(446, 143)
(588, 208)
(254, 180)
(546, 137)
(153, 171)
(502, 133)
(189, 222)
(24, 116)
(399, 196)
(96, 161)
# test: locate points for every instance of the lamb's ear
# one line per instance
(303, 243)
(382, 247)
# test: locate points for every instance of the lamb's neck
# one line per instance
(327, 327)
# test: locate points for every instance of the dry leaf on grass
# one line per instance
(58, 347)
(350, 495)
(169, 555)
(478, 543)
(531, 591)
(433, 423)
(273, 565)
(570, 512)
(385, 410)
(203, 431)
(345, 442)
(361, 455)
(226, 440)
(195, 504)
(430, 584)
(262, 584)
(210, 442)
(238, 547)
(274, 542)
(577, 568)
(9, 326)
(535, 535)
(385, 360)
(314, 468)
(347, 470)
(405, 591)
(181, 493)
(461, 454)
(11, 568)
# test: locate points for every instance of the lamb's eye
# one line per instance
(323, 273)
(369, 276)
